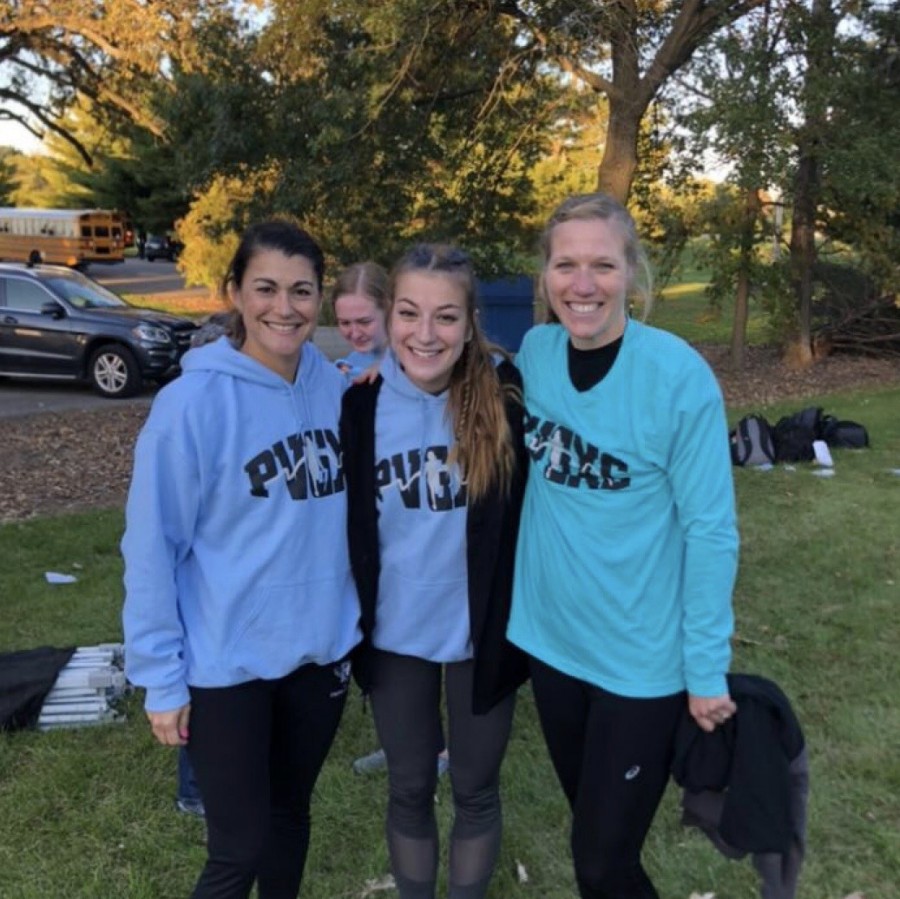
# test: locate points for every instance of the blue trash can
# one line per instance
(507, 309)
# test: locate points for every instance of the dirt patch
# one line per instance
(55, 463)
(765, 379)
(65, 462)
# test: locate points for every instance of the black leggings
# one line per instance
(257, 749)
(406, 700)
(612, 755)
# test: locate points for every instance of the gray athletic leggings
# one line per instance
(406, 701)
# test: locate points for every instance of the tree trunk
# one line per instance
(751, 210)
(820, 35)
(803, 255)
(739, 326)
(619, 161)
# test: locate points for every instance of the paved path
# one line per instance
(137, 276)
(19, 398)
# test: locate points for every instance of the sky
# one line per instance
(12, 134)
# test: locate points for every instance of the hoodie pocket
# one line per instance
(285, 625)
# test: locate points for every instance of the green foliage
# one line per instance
(374, 129)
(805, 86)
(107, 53)
(724, 219)
(741, 117)
(573, 156)
(37, 182)
(7, 175)
(212, 228)
(862, 151)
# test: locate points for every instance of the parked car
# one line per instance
(157, 247)
(56, 323)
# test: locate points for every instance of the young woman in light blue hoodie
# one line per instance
(359, 299)
(240, 608)
(435, 463)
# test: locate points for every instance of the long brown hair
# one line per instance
(476, 405)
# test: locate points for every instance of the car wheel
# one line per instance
(114, 372)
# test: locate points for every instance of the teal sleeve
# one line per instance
(703, 491)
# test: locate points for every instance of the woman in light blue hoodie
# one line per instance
(240, 608)
(435, 466)
(359, 299)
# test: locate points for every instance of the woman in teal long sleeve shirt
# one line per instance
(627, 551)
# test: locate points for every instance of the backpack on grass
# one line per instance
(843, 434)
(794, 435)
(752, 442)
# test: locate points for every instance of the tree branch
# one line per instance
(47, 122)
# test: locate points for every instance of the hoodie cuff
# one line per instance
(166, 699)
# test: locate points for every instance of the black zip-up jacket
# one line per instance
(492, 525)
(748, 759)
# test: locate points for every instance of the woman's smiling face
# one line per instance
(279, 300)
(587, 279)
(429, 326)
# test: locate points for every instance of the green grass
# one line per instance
(88, 813)
(685, 309)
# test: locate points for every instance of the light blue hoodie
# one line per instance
(423, 595)
(235, 548)
(355, 363)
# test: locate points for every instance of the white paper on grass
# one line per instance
(822, 453)
(54, 577)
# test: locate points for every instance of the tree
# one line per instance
(862, 190)
(846, 184)
(625, 52)
(152, 177)
(738, 113)
(796, 100)
(211, 229)
(37, 182)
(820, 35)
(108, 52)
(379, 125)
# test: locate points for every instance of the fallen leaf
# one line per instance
(702, 896)
(855, 896)
(371, 887)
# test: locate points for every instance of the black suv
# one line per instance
(57, 323)
(161, 248)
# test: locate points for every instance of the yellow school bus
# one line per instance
(73, 237)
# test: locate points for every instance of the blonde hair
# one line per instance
(366, 278)
(483, 446)
(585, 207)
